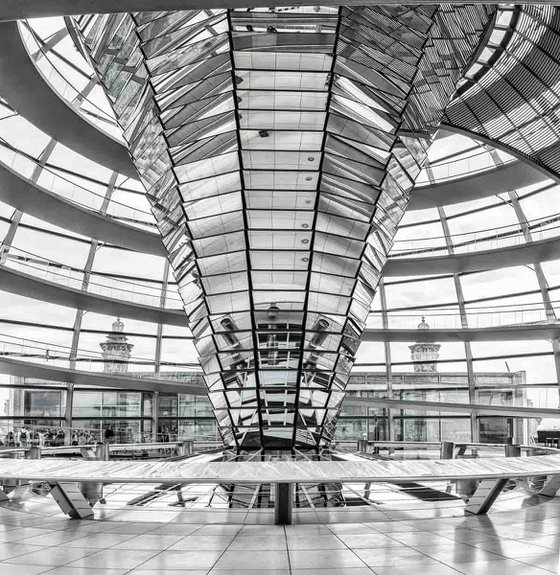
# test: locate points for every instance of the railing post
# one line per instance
(446, 450)
(283, 501)
(102, 451)
(185, 448)
(363, 445)
(33, 453)
(512, 450)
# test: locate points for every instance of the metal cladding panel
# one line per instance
(514, 102)
(278, 148)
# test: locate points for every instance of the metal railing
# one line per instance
(481, 160)
(521, 315)
(539, 229)
(63, 356)
(126, 290)
(23, 164)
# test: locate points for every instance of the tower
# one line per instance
(424, 352)
(116, 350)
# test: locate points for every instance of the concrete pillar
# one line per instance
(102, 450)
(283, 502)
(33, 453)
(446, 450)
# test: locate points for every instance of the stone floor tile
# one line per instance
(253, 560)
(326, 559)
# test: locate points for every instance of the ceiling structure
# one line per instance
(242, 107)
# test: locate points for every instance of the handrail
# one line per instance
(493, 238)
(437, 444)
(113, 447)
(499, 316)
(483, 161)
(21, 163)
(129, 291)
(54, 354)
(40, 267)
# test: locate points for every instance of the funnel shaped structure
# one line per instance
(279, 148)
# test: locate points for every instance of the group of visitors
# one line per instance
(84, 438)
(46, 437)
(28, 437)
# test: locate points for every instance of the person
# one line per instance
(23, 437)
(59, 438)
(165, 434)
(109, 434)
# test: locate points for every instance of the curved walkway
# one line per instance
(24, 88)
(445, 406)
(53, 208)
(32, 370)
(24, 284)
(37, 201)
(522, 332)
(488, 183)
(27, 285)
(541, 251)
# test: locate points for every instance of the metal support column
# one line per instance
(388, 362)
(102, 451)
(33, 453)
(162, 300)
(283, 502)
(512, 450)
(155, 415)
(447, 448)
(475, 428)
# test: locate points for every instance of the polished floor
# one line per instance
(35, 538)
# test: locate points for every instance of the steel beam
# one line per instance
(283, 503)
(20, 9)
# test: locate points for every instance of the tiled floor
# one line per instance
(520, 542)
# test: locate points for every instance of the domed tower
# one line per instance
(424, 352)
(116, 350)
